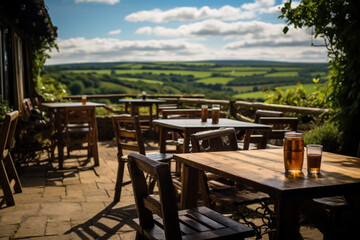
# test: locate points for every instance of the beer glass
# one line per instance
(143, 95)
(215, 113)
(293, 152)
(313, 156)
(83, 99)
(204, 113)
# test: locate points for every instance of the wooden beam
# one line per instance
(282, 108)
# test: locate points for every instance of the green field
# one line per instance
(103, 71)
(282, 74)
(309, 88)
(215, 80)
(140, 79)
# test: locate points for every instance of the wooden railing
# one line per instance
(234, 109)
(120, 96)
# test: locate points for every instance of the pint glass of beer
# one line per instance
(83, 99)
(313, 156)
(143, 95)
(204, 113)
(293, 152)
(215, 113)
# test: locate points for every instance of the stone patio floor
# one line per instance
(76, 203)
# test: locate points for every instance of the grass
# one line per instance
(196, 74)
(282, 74)
(140, 79)
(215, 80)
(103, 71)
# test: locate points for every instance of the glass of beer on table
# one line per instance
(83, 99)
(204, 113)
(215, 109)
(293, 152)
(313, 156)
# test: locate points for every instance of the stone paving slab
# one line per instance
(76, 202)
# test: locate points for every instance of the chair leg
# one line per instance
(95, 153)
(13, 173)
(119, 180)
(5, 185)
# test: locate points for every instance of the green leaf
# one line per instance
(285, 30)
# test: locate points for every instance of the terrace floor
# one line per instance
(76, 203)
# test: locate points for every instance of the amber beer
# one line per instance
(83, 99)
(313, 156)
(313, 162)
(293, 152)
(204, 113)
(215, 113)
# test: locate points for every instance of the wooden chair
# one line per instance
(80, 128)
(161, 219)
(129, 137)
(8, 176)
(224, 192)
(279, 126)
(266, 113)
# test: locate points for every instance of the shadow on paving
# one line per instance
(120, 216)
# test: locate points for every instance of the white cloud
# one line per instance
(225, 13)
(113, 32)
(190, 13)
(110, 49)
(217, 28)
(111, 2)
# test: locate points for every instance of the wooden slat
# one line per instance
(198, 226)
(152, 204)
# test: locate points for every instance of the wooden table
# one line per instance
(55, 120)
(264, 170)
(136, 103)
(191, 126)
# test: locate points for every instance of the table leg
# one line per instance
(162, 140)
(189, 187)
(186, 141)
(287, 219)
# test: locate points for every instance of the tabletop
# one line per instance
(264, 170)
(71, 104)
(196, 123)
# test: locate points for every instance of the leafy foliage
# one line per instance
(4, 109)
(51, 89)
(327, 135)
(299, 96)
(337, 22)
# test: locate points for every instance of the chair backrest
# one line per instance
(183, 113)
(28, 107)
(8, 131)
(214, 140)
(128, 133)
(79, 117)
(146, 205)
(280, 125)
(266, 113)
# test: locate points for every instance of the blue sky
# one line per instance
(176, 30)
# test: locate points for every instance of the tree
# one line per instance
(337, 22)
